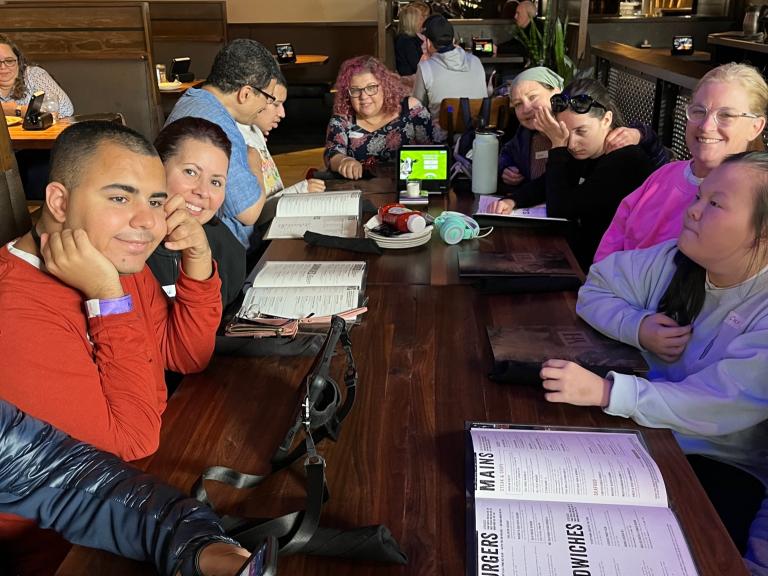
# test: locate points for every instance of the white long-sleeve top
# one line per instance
(715, 396)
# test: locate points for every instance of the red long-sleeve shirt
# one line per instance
(101, 379)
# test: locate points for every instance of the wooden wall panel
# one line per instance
(99, 52)
(199, 30)
(76, 16)
(338, 40)
(53, 42)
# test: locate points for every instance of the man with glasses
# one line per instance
(450, 71)
(18, 82)
(240, 85)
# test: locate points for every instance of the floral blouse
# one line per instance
(412, 126)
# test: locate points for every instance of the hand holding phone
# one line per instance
(263, 561)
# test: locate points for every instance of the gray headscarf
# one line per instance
(539, 74)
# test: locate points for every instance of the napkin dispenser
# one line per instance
(34, 119)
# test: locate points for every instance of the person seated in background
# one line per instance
(726, 115)
(259, 158)
(84, 320)
(94, 499)
(240, 85)
(513, 45)
(410, 47)
(523, 160)
(525, 12)
(372, 118)
(450, 71)
(19, 80)
(697, 308)
(195, 153)
(583, 182)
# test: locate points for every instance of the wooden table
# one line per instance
(37, 139)
(423, 355)
(306, 60)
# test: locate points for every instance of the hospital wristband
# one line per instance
(108, 307)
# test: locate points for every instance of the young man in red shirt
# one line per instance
(86, 331)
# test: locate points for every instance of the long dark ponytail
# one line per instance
(684, 296)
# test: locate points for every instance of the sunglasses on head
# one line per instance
(581, 103)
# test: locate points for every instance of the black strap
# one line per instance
(466, 114)
(295, 529)
(484, 118)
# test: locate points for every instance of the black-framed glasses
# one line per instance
(267, 95)
(697, 114)
(581, 103)
(370, 90)
(8, 63)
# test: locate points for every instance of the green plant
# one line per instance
(547, 47)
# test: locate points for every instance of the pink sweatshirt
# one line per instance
(654, 212)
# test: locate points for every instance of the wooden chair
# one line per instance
(14, 216)
(453, 122)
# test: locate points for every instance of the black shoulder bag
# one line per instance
(320, 415)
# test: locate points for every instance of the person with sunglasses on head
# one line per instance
(373, 116)
(523, 160)
(19, 80)
(241, 84)
(696, 308)
(726, 115)
(583, 182)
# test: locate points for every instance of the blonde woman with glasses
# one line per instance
(726, 115)
(19, 80)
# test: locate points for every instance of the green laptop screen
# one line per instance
(424, 164)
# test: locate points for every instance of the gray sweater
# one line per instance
(715, 396)
(452, 74)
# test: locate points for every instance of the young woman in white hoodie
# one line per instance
(697, 307)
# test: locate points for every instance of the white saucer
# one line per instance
(167, 86)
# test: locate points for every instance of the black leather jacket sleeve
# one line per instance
(94, 499)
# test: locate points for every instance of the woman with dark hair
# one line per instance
(195, 153)
(372, 117)
(19, 80)
(697, 309)
(583, 182)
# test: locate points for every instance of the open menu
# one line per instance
(532, 213)
(307, 292)
(331, 213)
(546, 502)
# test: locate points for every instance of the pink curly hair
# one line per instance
(389, 83)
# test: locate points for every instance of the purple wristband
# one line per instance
(108, 307)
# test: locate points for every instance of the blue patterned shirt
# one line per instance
(35, 79)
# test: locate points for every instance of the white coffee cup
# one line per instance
(413, 188)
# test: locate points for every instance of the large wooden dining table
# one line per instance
(423, 358)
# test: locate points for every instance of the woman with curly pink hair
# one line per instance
(372, 117)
